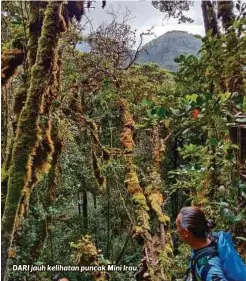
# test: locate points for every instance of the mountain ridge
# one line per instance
(165, 48)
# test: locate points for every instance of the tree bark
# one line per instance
(85, 211)
(225, 12)
(209, 18)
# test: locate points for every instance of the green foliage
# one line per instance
(199, 164)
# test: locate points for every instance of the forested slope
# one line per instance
(165, 48)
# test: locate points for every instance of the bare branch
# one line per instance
(139, 47)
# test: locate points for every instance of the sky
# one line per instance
(143, 17)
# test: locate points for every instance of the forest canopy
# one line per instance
(100, 153)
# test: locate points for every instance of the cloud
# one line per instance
(144, 16)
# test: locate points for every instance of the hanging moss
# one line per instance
(35, 24)
(101, 180)
(150, 268)
(20, 98)
(37, 9)
(105, 154)
(131, 179)
(54, 171)
(50, 195)
(42, 159)
(156, 148)
(10, 61)
(44, 151)
(126, 138)
(160, 248)
(87, 254)
(28, 131)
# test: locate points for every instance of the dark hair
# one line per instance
(195, 221)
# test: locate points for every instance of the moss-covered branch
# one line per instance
(28, 130)
(10, 61)
(150, 264)
(87, 254)
(156, 201)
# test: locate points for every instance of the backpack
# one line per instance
(233, 266)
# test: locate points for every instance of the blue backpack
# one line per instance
(233, 266)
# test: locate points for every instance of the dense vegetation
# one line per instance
(99, 153)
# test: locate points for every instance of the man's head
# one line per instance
(192, 224)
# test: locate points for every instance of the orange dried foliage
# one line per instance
(126, 139)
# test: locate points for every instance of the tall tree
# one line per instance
(28, 130)
(209, 17)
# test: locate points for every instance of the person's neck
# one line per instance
(199, 243)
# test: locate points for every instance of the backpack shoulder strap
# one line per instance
(209, 251)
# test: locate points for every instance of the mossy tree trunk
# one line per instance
(151, 263)
(11, 59)
(156, 201)
(49, 199)
(35, 26)
(225, 12)
(28, 130)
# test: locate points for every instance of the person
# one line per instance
(193, 228)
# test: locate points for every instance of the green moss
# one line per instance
(101, 180)
(106, 154)
(11, 59)
(28, 131)
(37, 9)
(86, 253)
(4, 174)
(20, 98)
(139, 198)
(44, 151)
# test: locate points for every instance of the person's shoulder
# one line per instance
(209, 268)
(208, 260)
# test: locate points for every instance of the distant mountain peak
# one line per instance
(165, 48)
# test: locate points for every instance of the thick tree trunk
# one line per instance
(28, 131)
(209, 18)
(225, 12)
(150, 268)
(43, 232)
(35, 25)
